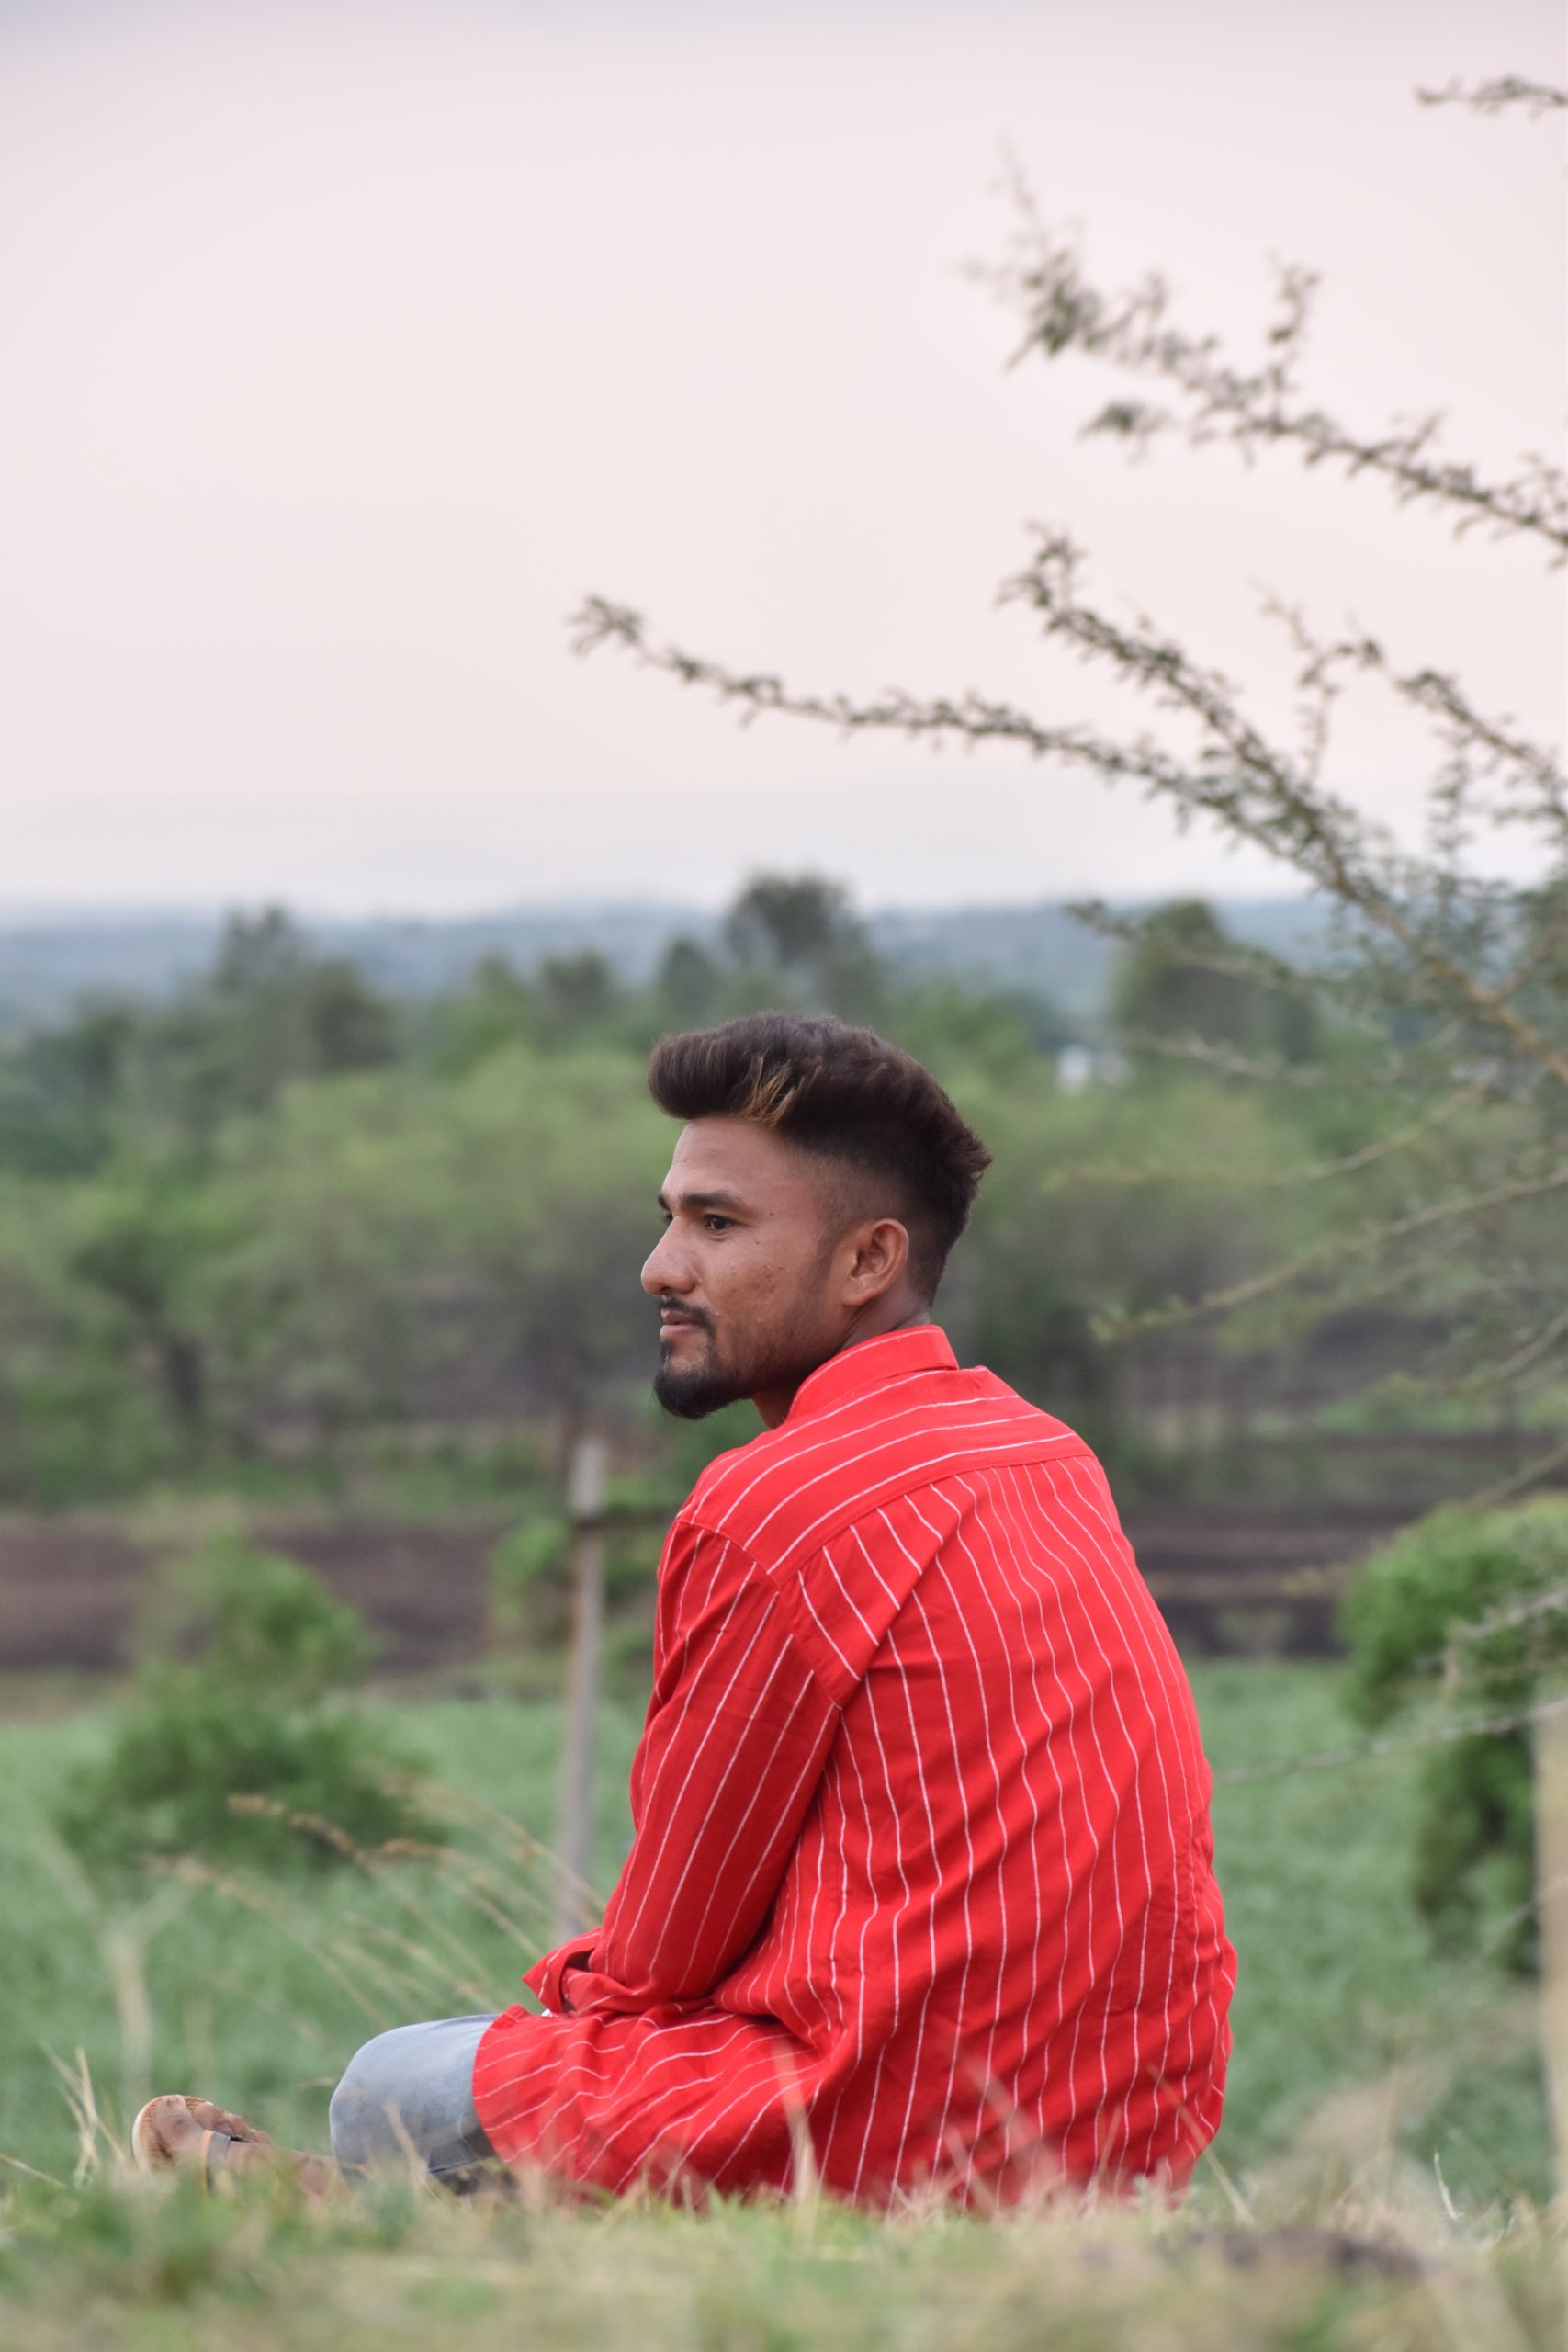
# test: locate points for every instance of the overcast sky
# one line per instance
(345, 347)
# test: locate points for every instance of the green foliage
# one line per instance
(270, 1629)
(256, 1715)
(269, 1014)
(57, 1094)
(1473, 1866)
(1473, 1603)
(535, 1549)
(308, 1232)
(578, 988)
(1183, 976)
(527, 1572)
(792, 923)
(531, 1573)
(143, 1245)
(1425, 1610)
(271, 1011)
(691, 981)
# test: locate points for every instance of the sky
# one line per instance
(347, 348)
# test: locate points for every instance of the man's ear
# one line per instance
(881, 1255)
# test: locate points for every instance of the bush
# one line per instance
(531, 1574)
(255, 1714)
(1472, 1604)
(527, 1580)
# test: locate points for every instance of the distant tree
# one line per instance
(690, 980)
(349, 1027)
(798, 936)
(580, 988)
(494, 1006)
(1176, 983)
(1451, 977)
(258, 954)
(270, 1010)
(61, 1089)
(148, 1237)
(795, 924)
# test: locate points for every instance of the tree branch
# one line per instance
(1063, 310)
(1252, 790)
(1360, 1244)
(1491, 98)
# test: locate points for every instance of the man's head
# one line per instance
(817, 1187)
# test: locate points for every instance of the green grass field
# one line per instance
(1373, 2082)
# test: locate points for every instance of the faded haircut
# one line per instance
(844, 1095)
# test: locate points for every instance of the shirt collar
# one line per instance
(868, 1365)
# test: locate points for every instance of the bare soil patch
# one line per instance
(1230, 1582)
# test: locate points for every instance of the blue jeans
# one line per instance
(409, 2096)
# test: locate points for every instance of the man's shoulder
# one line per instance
(791, 1489)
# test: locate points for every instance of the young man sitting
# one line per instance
(921, 1895)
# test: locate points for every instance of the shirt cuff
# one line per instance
(545, 1977)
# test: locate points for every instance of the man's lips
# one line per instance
(670, 1326)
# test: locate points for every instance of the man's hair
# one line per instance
(843, 1094)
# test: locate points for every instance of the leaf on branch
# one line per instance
(1492, 97)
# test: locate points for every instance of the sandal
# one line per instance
(176, 2131)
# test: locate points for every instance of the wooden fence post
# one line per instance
(574, 1833)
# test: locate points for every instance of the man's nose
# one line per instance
(665, 1268)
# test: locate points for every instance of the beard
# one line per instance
(692, 1391)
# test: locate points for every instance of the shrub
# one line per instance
(531, 1574)
(1472, 1604)
(257, 1712)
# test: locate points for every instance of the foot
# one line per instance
(178, 2132)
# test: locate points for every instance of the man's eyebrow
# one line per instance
(703, 1201)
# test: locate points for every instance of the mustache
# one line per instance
(669, 1305)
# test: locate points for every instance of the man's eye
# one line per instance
(717, 1224)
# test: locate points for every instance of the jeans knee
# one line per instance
(406, 2097)
(360, 2116)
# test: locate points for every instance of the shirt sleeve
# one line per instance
(737, 1735)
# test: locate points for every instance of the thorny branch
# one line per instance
(1218, 398)
(1491, 98)
(1539, 1343)
(1254, 791)
(1363, 1242)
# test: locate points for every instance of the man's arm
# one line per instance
(736, 1737)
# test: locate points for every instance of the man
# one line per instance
(920, 1895)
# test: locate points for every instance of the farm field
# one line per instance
(1371, 2078)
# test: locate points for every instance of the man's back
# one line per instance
(922, 1792)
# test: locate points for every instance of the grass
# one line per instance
(255, 2273)
(1376, 2086)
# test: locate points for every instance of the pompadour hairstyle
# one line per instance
(843, 1094)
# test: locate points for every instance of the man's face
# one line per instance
(752, 1274)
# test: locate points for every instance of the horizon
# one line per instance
(23, 915)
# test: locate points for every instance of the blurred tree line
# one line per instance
(284, 1218)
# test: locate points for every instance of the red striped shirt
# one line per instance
(921, 1886)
